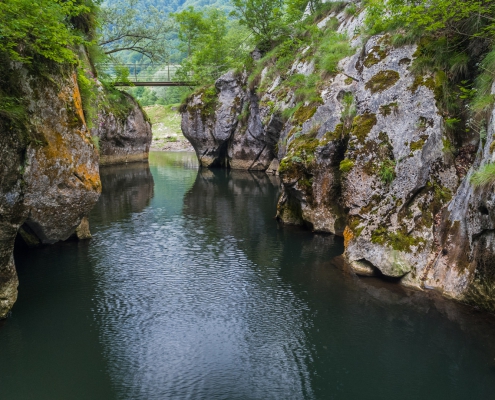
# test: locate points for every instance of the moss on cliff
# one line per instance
(208, 96)
(400, 240)
(362, 126)
(376, 54)
(382, 81)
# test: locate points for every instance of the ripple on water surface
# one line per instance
(190, 289)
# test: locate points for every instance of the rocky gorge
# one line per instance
(371, 156)
(50, 158)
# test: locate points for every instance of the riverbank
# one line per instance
(167, 134)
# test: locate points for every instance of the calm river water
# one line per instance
(190, 289)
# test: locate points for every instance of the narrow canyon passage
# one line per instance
(190, 289)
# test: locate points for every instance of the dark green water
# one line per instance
(191, 290)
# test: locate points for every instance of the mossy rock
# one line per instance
(376, 55)
(339, 133)
(419, 144)
(304, 113)
(362, 126)
(383, 80)
(420, 80)
(346, 165)
(399, 240)
(388, 109)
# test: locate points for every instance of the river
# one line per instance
(190, 289)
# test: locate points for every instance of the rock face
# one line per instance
(49, 177)
(372, 161)
(123, 137)
(224, 126)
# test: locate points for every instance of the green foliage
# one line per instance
(264, 18)
(351, 9)
(127, 28)
(42, 28)
(484, 176)
(12, 108)
(349, 109)
(432, 15)
(96, 142)
(333, 48)
(305, 88)
(88, 90)
(387, 171)
(117, 102)
(483, 99)
(212, 44)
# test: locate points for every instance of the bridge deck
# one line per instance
(172, 83)
(147, 74)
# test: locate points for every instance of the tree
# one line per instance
(264, 18)
(125, 28)
(213, 44)
(191, 27)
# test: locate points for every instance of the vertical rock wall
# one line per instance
(123, 137)
(371, 161)
(49, 174)
(227, 130)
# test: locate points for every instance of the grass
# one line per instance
(484, 176)
(387, 171)
(166, 123)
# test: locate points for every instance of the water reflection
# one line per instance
(191, 289)
(127, 189)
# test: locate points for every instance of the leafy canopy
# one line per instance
(127, 28)
(213, 44)
(43, 27)
(465, 17)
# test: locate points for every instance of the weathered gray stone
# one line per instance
(382, 176)
(123, 138)
(216, 134)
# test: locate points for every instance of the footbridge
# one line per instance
(150, 74)
(146, 74)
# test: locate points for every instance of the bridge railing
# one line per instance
(142, 72)
(148, 74)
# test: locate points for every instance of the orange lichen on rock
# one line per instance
(348, 236)
(77, 100)
(90, 178)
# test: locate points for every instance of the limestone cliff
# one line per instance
(233, 135)
(49, 176)
(124, 135)
(368, 156)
